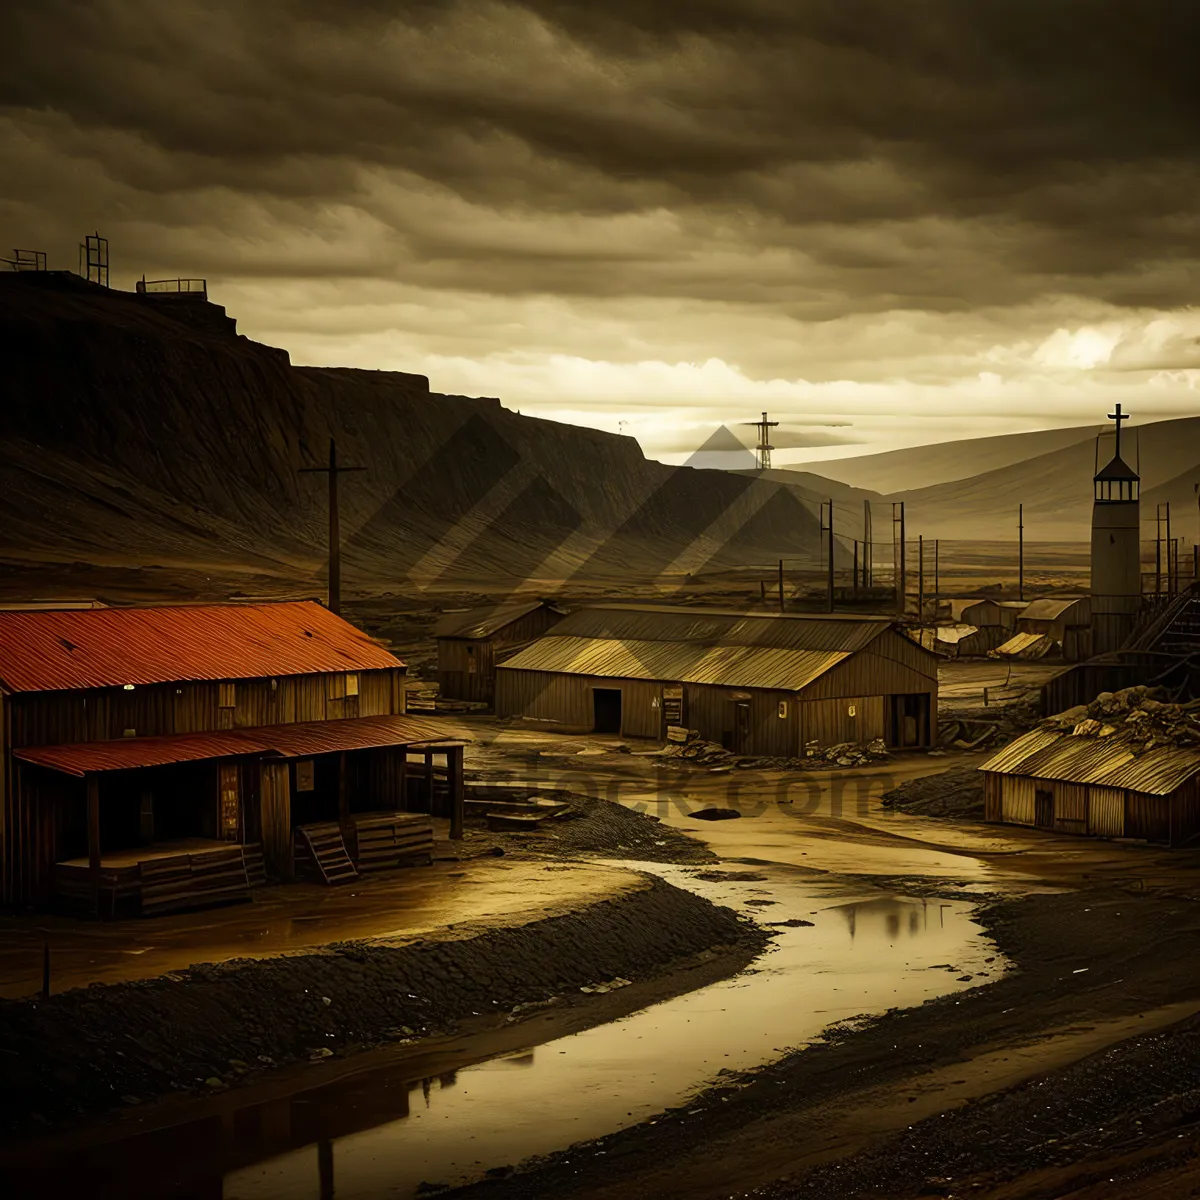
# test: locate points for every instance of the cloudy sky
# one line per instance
(885, 222)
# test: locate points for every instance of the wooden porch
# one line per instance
(163, 877)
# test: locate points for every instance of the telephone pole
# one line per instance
(335, 541)
(898, 573)
(1020, 552)
(830, 565)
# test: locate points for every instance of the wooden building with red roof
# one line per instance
(159, 758)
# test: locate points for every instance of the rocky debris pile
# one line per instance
(425, 696)
(1136, 717)
(969, 730)
(108, 1045)
(694, 749)
(957, 792)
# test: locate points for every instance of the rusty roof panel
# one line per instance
(111, 647)
(1106, 762)
(683, 662)
(288, 741)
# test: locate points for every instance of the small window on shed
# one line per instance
(351, 683)
(226, 695)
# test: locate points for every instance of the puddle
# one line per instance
(378, 1133)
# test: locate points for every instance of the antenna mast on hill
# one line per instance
(335, 541)
(762, 451)
(93, 259)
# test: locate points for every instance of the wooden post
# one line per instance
(93, 825)
(781, 604)
(1020, 551)
(921, 578)
(454, 761)
(856, 568)
(937, 582)
(335, 542)
(1167, 543)
(1158, 551)
(343, 798)
(831, 545)
(899, 575)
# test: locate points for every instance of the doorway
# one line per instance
(606, 710)
(737, 734)
(1043, 809)
(908, 723)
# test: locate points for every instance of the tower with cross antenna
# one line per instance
(1116, 549)
(763, 450)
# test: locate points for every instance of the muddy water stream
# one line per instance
(380, 1133)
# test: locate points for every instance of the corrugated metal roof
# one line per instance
(1105, 762)
(790, 631)
(483, 622)
(1050, 610)
(109, 647)
(683, 662)
(1026, 645)
(288, 741)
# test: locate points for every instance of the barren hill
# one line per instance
(142, 432)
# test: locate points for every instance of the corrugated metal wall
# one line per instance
(1106, 812)
(1070, 807)
(52, 718)
(993, 794)
(1185, 812)
(1017, 799)
(1147, 817)
(567, 700)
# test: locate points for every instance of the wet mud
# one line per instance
(210, 1027)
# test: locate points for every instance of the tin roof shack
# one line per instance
(1050, 627)
(159, 758)
(470, 644)
(764, 684)
(986, 612)
(1124, 766)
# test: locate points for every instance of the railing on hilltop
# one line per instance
(25, 260)
(189, 287)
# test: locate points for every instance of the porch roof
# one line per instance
(286, 741)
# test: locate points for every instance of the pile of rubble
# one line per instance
(968, 730)
(1135, 716)
(694, 749)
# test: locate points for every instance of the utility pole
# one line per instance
(335, 541)
(1020, 551)
(921, 578)
(830, 565)
(781, 606)
(1170, 585)
(866, 566)
(855, 575)
(937, 582)
(900, 581)
(1158, 562)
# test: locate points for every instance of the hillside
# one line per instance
(1056, 489)
(944, 462)
(146, 433)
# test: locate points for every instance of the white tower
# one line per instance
(1116, 550)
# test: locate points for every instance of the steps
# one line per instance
(320, 852)
(256, 871)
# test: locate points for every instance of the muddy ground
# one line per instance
(90, 1049)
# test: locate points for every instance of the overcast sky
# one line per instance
(887, 221)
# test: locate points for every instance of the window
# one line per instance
(351, 683)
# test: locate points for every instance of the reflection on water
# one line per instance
(377, 1134)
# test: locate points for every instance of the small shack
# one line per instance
(1102, 786)
(984, 612)
(161, 758)
(471, 642)
(764, 684)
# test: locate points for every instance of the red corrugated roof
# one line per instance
(108, 647)
(289, 741)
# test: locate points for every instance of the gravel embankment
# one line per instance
(105, 1046)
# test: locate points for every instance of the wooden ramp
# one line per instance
(321, 853)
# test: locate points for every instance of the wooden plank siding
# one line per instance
(852, 719)
(1148, 817)
(993, 796)
(276, 818)
(1106, 812)
(1070, 807)
(1017, 803)
(467, 669)
(53, 718)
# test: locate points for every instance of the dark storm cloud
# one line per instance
(1059, 138)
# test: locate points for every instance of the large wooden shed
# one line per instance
(1098, 786)
(759, 683)
(157, 757)
(471, 642)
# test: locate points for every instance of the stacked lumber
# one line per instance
(76, 890)
(320, 854)
(195, 880)
(386, 840)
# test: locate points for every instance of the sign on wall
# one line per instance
(673, 704)
(229, 802)
(304, 775)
